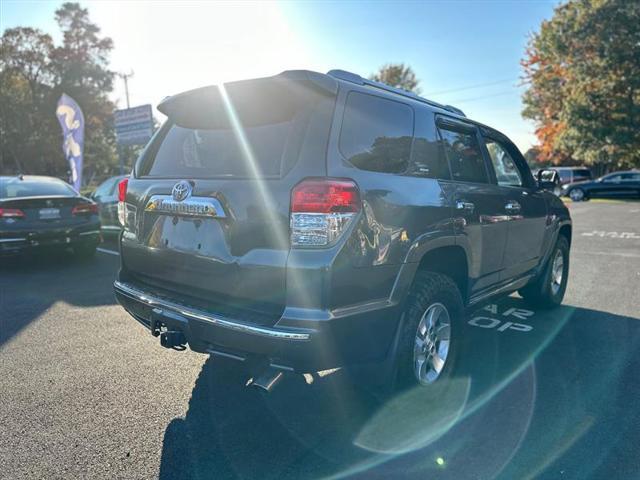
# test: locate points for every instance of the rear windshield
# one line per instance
(249, 131)
(34, 188)
(198, 152)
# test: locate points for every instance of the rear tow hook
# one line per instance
(174, 339)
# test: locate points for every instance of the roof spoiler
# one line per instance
(319, 81)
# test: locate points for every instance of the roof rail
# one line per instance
(357, 79)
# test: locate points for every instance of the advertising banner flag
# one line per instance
(72, 122)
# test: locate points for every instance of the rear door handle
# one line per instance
(465, 207)
(512, 207)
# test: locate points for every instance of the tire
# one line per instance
(85, 251)
(577, 195)
(547, 291)
(433, 297)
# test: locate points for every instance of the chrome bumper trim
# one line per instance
(191, 206)
(189, 312)
(91, 232)
(7, 240)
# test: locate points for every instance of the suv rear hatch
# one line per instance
(208, 204)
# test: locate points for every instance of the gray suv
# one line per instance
(307, 221)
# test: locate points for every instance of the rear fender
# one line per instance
(420, 248)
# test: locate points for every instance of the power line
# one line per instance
(471, 87)
(473, 99)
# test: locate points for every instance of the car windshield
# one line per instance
(16, 188)
(609, 177)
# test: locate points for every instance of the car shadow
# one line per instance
(522, 403)
(31, 284)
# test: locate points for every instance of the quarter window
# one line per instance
(505, 167)
(465, 157)
(428, 160)
(376, 133)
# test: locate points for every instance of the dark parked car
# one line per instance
(106, 196)
(44, 212)
(307, 221)
(613, 185)
(573, 174)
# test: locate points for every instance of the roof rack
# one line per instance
(357, 79)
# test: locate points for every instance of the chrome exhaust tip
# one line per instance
(267, 380)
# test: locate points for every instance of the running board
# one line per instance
(508, 287)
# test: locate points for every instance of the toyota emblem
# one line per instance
(181, 190)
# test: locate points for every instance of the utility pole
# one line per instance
(125, 77)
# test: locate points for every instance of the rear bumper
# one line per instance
(17, 242)
(318, 341)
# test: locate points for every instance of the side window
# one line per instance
(565, 175)
(465, 157)
(505, 167)
(376, 133)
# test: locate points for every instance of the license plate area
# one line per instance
(198, 236)
(49, 213)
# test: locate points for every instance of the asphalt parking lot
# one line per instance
(85, 392)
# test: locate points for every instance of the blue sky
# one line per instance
(465, 53)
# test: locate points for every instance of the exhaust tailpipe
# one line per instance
(268, 379)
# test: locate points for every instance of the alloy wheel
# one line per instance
(432, 342)
(577, 194)
(557, 272)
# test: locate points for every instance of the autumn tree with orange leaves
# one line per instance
(583, 75)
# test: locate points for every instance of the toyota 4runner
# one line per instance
(307, 221)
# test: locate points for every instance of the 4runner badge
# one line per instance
(181, 190)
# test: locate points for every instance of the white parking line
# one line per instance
(613, 254)
(110, 252)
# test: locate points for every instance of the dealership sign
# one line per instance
(134, 126)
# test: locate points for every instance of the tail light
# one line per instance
(321, 210)
(11, 213)
(85, 209)
(122, 196)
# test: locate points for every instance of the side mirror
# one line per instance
(548, 179)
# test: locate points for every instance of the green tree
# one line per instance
(26, 81)
(34, 73)
(583, 74)
(532, 156)
(397, 75)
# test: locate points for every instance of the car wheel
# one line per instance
(577, 195)
(547, 291)
(85, 251)
(431, 331)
